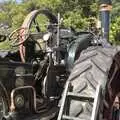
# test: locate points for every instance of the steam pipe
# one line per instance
(105, 8)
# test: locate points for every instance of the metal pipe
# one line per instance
(105, 8)
(12, 107)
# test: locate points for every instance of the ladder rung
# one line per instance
(71, 118)
(77, 96)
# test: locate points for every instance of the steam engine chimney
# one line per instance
(105, 8)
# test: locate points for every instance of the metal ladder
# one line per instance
(68, 95)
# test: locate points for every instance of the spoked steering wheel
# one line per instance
(19, 36)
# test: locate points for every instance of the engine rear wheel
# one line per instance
(90, 69)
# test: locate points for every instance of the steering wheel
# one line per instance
(19, 36)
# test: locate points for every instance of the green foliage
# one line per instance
(75, 13)
(115, 23)
(12, 14)
(42, 22)
(115, 31)
(5, 45)
(116, 9)
(75, 20)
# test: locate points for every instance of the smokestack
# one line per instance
(105, 8)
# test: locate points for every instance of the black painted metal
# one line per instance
(105, 24)
(4, 101)
(105, 18)
(77, 96)
(82, 41)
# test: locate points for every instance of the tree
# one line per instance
(82, 9)
(75, 13)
